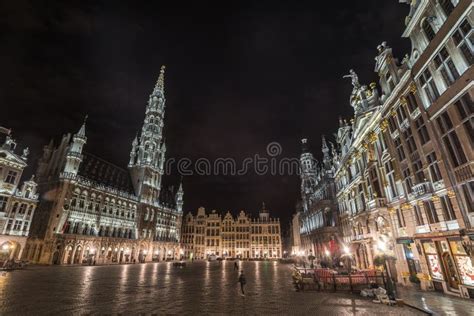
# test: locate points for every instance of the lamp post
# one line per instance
(382, 246)
(311, 259)
(347, 256)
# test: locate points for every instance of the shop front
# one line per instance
(450, 266)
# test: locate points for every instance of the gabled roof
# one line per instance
(12, 157)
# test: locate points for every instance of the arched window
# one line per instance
(359, 228)
(82, 200)
(428, 29)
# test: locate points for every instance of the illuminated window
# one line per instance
(451, 140)
(3, 203)
(465, 107)
(11, 177)
(448, 209)
(464, 40)
(431, 212)
(428, 85)
(445, 65)
(422, 131)
(433, 167)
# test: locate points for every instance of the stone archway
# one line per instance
(78, 255)
(9, 250)
(56, 258)
(68, 255)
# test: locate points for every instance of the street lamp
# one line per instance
(346, 250)
(347, 257)
(382, 247)
(311, 258)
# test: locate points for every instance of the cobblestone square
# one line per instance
(160, 288)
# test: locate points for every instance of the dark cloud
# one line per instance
(237, 78)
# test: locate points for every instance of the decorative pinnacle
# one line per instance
(160, 84)
(304, 145)
(82, 130)
(324, 144)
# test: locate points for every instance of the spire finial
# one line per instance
(82, 130)
(304, 145)
(324, 144)
(160, 84)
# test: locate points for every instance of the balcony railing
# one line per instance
(423, 229)
(422, 189)
(438, 185)
(415, 113)
(464, 172)
(404, 125)
(376, 203)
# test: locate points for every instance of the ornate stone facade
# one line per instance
(240, 237)
(95, 212)
(405, 176)
(318, 221)
(17, 204)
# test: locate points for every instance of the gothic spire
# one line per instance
(324, 146)
(304, 145)
(82, 130)
(160, 83)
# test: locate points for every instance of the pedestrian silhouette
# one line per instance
(242, 282)
(236, 266)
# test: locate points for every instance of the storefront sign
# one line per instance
(404, 240)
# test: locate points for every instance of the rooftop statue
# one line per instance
(354, 78)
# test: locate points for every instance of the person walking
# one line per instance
(236, 266)
(242, 282)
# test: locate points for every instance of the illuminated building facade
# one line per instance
(319, 230)
(92, 211)
(229, 236)
(17, 203)
(405, 175)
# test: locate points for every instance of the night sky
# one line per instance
(238, 77)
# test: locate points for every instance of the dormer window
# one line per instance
(428, 29)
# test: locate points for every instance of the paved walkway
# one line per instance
(201, 288)
(436, 303)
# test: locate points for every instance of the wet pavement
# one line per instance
(160, 288)
(436, 303)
